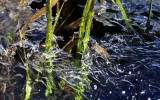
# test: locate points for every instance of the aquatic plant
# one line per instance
(28, 80)
(124, 16)
(84, 34)
(49, 34)
(36, 16)
(50, 28)
(149, 17)
(84, 30)
(28, 83)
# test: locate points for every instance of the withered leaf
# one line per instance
(100, 50)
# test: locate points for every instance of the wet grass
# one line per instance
(50, 85)
(49, 33)
(28, 87)
(124, 16)
(28, 80)
(84, 30)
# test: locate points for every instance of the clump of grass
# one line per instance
(50, 28)
(50, 32)
(84, 30)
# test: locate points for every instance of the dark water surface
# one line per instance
(136, 77)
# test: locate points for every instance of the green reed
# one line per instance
(28, 79)
(84, 34)
(84, 30)
(124, 16)
(113, 1)
(50, 32)
(149, 17)
(50, 28)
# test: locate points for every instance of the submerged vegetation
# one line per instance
(61, 80)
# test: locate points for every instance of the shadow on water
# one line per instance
(132, 72)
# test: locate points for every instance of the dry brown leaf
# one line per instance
(70, 44)
(73, 25)
(36, 16)
(100, 50)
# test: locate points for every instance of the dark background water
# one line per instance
(136, 74)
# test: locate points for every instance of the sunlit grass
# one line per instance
(84, 34)
(84, 30)
(124, 16)
(50, 28)
(49, 33)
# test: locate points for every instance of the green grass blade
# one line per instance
(88, 27)
(149, 17)
(87, 33)
(124, 16)
(28, 84)
(82, 31)
(57, 17)
(49, 27)
(113, 1)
